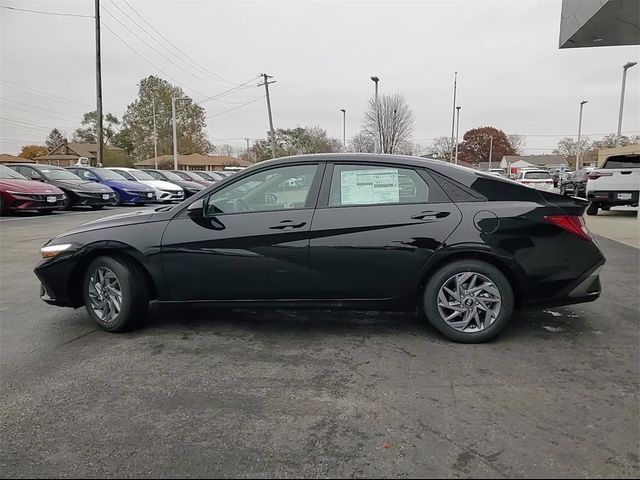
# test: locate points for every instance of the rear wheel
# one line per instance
(115, 293)
(468, 301)
(593, 208)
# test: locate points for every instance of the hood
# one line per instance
(122, 219)
(28, 186)
(81, 185)
(188, 185)
(162, 185)
(128, 185)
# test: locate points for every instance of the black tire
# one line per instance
(97, 207)
(45, 212)
(117, 200)
(134, 288)
(3, 212)
(605, 209)
(593, 208)
(444, 274)
(67, 202)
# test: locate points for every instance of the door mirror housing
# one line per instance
(35, 176)
(196, 209)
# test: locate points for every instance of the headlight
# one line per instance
(51, 251)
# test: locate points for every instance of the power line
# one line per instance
(164, 47)
(46, 13)
(59, 115)
(19, 87)
(177, 49)
(235, 108)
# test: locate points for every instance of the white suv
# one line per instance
(538, 179)
(616, 183)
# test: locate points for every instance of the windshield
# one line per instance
(58, 174)
(7, 173)
(172, 176)
(183, 175)
(142, 176)
(623, 161)
(108, 174)
(212, 177)
(537, 175)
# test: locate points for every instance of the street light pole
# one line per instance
(98, 87)
(453, 114)
(377, 108)
(271, 131)
(155, 136)
(490, 150)
(175, 134)
(457, 130)
(579, 135)
(344, 129)
(626, 67)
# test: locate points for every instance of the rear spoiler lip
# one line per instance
(567, 205)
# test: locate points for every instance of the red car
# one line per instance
(18, 193)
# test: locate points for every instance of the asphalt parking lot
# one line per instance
(240, 393)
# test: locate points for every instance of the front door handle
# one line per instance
(430, 215)
(287, 224)
(626, 172)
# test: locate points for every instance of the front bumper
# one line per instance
(92, 199)
(36, 202)
(138, 198)
(169, 196)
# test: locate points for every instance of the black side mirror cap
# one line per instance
(196, 209)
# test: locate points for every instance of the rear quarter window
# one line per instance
(622, 161)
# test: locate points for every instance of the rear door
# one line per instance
(375, 226)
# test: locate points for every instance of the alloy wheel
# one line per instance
(469, 302)
(105, 295)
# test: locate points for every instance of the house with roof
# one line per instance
(194, 161)
(68, 153)
(5, 159)
(515, 162)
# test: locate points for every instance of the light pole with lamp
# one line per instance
(376, 80)
(344, 129)
(457, 130)
(175, 135)
(626, 67)
(578, 152)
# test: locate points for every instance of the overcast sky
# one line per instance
(511, 73)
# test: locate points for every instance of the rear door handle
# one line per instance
(626, 172)
(287, 224)
(430, 215)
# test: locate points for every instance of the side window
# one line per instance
(30, 173)
(155, 175)
(126, 175)
(275, 189)
(375, 185)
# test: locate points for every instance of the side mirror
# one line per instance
(196, 209)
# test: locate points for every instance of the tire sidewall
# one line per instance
(123, 274)
(432, 289)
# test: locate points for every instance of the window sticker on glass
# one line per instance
(369, 186)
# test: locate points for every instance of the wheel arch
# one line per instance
(506, 264)
(110, 249)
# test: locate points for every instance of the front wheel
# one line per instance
(593, 209)
(115, 293)
(468, 301)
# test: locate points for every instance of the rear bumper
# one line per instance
(612, 198)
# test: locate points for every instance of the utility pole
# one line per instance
(624, 81)
(266, 83)
(490, 150)
(457, 131)
(247, 140)
(375, 80)
(453, 115)
(344, 129)
(579, 135)
(98, 86)
(155, 136)
(175, 135)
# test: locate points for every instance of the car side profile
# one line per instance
(341, 231)
(575, 184)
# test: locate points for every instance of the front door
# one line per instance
(375, 229)
(252, 241)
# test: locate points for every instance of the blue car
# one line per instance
(127, 192)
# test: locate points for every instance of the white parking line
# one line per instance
(61, 215)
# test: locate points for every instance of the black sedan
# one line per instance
(575, 184)
(190, 188)
(79, 192)
(337, 231)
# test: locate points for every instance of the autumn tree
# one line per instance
(390, 122)
(137, 132)
(476, 142)
(32, 151)
(54, 139)
(88, 132)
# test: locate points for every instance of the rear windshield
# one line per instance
(622, 161)
(537, 175)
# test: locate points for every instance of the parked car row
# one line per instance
(45, 188)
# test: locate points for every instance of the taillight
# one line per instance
(571, 223)
(597, 174)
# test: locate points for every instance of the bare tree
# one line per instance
(227, 150)
(441, 147)
(390, 122)
(362, 142)
(517, 142)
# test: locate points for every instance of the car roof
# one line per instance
(35, 165)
